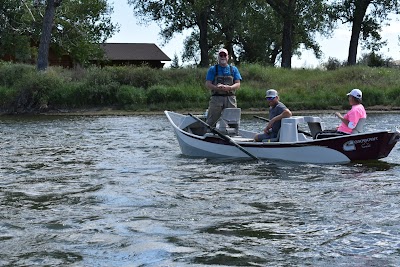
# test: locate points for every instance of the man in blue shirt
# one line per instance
(222, 80)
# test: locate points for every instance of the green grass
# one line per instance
(23, 89)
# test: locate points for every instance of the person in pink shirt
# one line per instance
(357, 112)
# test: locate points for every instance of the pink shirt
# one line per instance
(356, 113)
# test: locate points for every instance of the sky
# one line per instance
(337, 46)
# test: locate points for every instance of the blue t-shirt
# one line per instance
(223, 71)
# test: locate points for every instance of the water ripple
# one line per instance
(116, 191)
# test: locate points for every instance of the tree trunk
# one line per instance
(355, 35)
(203, 42)
(45, 38)
(287, 12)
(287, 40)
(359, 13)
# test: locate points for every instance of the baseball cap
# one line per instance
(271, 93)
(223, 50)
(356, 93)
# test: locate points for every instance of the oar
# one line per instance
(267, 120)
(223, 136)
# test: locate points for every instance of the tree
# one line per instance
(77, 28)
(175, 62)
(375, 60)
(248, 29)
(177, 16)
(44, 44)
(16, 27)
(80, 26)
(223, 20)
(301, 19)
(366, 17)
(258, 36)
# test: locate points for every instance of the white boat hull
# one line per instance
(331, 150)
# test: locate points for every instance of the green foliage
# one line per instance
(129, 96)
(11, 73)
(22, 89)
(374, 60)
(140, 77)
(175, 62)
(66, 96)
(373, 97)
(188, 76)
(178, 94)
(84, 24)
(33, 90)
(252, 31)
(333, 64)
(367, 18)
(393, 96)
(79, 26)
(100, 95)
(7, 96)
(17, 29)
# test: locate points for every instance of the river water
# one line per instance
(115, 191)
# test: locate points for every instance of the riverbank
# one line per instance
(109, 111)
(141, 90)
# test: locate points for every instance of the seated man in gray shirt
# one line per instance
(277, 111)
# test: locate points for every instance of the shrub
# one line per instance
(373, 96)
(332, 64)
(7, 95)
(393, 96)
(139, 77)
(66, 96)
(12, 73)
(131, 96)
(33, 91)
(374, 60)
(105, 94)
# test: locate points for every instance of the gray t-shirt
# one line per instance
(273, 112)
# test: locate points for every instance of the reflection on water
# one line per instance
(115, 191)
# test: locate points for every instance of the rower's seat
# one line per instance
(229, 121)
(274, 139)
(360, 126)
(314, 124)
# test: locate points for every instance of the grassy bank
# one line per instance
(24, 90)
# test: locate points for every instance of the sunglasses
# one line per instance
(270, 98)
(222, 54)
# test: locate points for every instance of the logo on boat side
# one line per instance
(349, 146)
(365, 143)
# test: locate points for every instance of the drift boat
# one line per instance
(198, 139)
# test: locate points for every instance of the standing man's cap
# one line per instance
(223, 50)
(356, 93)
(271, 93)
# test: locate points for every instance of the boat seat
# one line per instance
(289, 131)
(229, 121)
(275, 139)
(301, 137)
(360, 126)
(315, 125)
(186, 122)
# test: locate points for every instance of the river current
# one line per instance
(116, 191)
